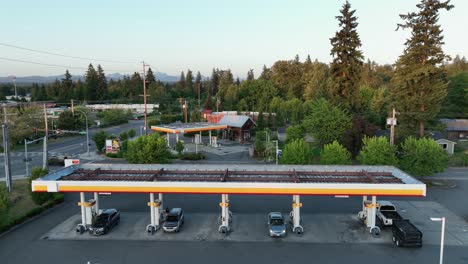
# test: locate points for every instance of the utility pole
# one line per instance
(13, 78)
(392, 127)
(6, 150)
(185, 111)
(144, 95)
(217, 104)
(72, 107)
(45, 152)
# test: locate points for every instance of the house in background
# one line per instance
(457, 129)
(239, 127)
(441, 139)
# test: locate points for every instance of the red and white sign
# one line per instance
(70, 162)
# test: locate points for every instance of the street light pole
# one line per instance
(442, 236)
(276, 153)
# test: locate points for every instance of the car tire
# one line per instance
(375, 231)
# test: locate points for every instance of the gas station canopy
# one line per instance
(232, 179)
(180, 128)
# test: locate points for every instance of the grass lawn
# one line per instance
(22, 206)
(20, 199)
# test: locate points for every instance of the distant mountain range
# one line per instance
(163, 77)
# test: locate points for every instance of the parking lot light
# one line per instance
(442, 235)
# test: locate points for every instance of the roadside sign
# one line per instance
(70, 162)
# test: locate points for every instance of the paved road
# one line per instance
(64, 146)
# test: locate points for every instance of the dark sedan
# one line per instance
(104, 222)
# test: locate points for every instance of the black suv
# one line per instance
(104, 222)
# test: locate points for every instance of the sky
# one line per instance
(172, 36)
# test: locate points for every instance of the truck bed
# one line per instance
(391, 215)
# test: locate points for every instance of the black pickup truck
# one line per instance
(406, 234)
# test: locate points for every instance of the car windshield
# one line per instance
(276, 221)
(101, 220)
(172, 218)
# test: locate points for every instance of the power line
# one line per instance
(57, 65)
(62, 55)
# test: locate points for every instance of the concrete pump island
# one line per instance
(235, 186)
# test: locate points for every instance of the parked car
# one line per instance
(406, 234)
(387, 213)
(174, 220)
(276, 225)
(105, 221)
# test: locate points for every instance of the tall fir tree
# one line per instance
(66, 90)
(180, 85)
(214, 82)
(250, 75)
(91, 84)
(150, 78)
(101, 93)
(188, 89)
(420, 83)
(345, 69)
(198, 86)
(266, 73)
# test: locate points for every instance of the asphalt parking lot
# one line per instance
(319, 228)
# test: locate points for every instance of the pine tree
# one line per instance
(266, 73)
(79, 90)
(345, 69)
(150, 78)
(188, 89)
(198, 86)
(91, 84)
(101, 93)
(214, 82)
(308, 60)
(250, 75)
(180, 85)
(66, 88)
(420, 84)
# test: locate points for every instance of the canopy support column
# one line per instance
(155, 215)
(226, 215)
(296, 215)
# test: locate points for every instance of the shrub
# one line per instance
(38, 197)
(377, 151)
(100, 139)
(335, 154)
(296, 152)
(423, 157)
(192, 156)
(123, 136)
(179, 146)
(131, 133)
(294, 132)
(147, 150)
(167, 119)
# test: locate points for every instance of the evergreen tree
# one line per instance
(188, 89)
(345, 69)
(250, 75)
(66, 88)
(208, 105)
(456, 103)
(308, 60)
(79, 90)
(101, 93)
(180, 85)
(150, 78)
(91, 84)
(214, 83)
(420, 82)
(266, 73)
(198, 85)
